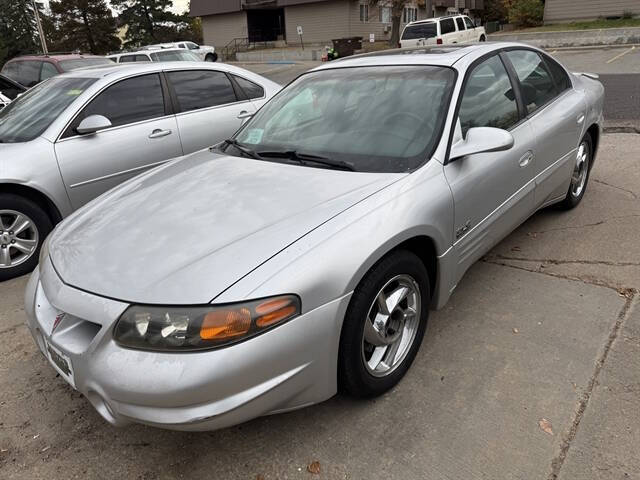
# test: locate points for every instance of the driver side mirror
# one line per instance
(481, 140)
(93, 124)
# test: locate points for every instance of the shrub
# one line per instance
(526, 13)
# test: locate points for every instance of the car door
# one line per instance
(448, 31)
(471, 30)
(143, 134)
(209, 108)
(462, 31)
(556, 113)
(493, 192)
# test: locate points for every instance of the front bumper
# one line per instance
(288, 367)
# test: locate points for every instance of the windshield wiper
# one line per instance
(247, 151)
(306, 158)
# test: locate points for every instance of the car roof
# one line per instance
(120, 70)
(446, 55)
(55, 57)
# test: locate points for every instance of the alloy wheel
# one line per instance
(580, 170)
(391, 325)
(18, 238)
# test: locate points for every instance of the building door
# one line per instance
(266, 25)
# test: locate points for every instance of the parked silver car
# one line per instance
(305, 254)
(79, 134)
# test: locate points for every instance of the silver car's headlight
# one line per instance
(203, 327)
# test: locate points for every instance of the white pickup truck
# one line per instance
(441, 31)
(205, 52)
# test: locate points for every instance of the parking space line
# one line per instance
(620, 55)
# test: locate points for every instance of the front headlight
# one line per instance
(203, 327)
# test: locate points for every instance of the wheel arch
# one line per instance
(35, 195)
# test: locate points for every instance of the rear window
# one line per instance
(75, 63)
(421, 30)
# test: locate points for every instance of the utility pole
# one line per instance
(43, 42)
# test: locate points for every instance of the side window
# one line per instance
(128, 101)
(558, 73)
(447, 26)
(201, 89)
(469, 23)
(488, 99)
(536, 83)
(48, 70)
(460, 23)
(253, 90)
(127, 58)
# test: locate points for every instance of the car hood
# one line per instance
(185, 232)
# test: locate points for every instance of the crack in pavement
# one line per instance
(633, 194)
(601, 222)
(553, 261)
(558, 461)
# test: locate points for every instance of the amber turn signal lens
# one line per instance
(274, 311)
(225, 324)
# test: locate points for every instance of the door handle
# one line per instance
(526, 159)
(580, 119)
(244, 115)
(157, 133)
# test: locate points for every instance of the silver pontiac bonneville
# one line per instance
(302, 256)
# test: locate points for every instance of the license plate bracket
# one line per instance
(61, 362)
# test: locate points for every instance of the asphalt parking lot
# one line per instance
(530, 372)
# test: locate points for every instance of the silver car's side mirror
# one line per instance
(481, 140)
(93, 124)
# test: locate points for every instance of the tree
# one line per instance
(397, 8)
(147, 21)
(18, 31)
(525, 13)
(85, 25)
(495, 10)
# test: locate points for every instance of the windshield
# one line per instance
(421, 30)
(175, 56)
(75, 63)
(376, 119)
(31, 114)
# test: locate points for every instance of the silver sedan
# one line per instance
(303, 256)
(77, 135)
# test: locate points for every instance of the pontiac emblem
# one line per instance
(57, 321)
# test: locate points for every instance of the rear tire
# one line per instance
(211, 57)
(483, 38)
(580, 174)
(400, 282)
(23, 227)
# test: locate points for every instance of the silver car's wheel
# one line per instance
(580, 170)
(384, 325)
(391, 325)
(580, 173)
(19, 238)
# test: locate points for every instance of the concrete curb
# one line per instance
(574, 38)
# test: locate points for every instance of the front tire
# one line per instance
(384, 325)
(580, 175)
(23, 227)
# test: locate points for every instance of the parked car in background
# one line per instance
(155, 55)
(205, 52)
(79, 134)
(9, 90)
(441, 31)
(29, 70)
(303, 256)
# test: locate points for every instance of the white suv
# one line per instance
(205, 52)
(441, 31)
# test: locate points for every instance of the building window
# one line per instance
(385, 14)
(410, 14)
(364, 12)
